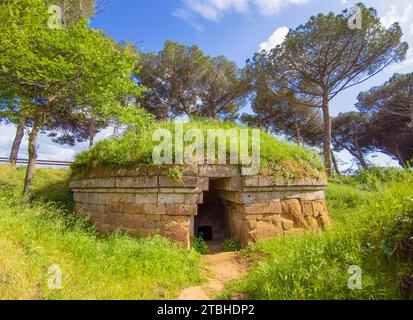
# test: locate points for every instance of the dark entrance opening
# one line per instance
(210, 223)
(205, 232)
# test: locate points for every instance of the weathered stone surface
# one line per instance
(229, 184)
(287, 224)
(145, 201)
(132, 208)
(137, 182)
(122, 198)
(267, 230)
(312, 223)
(154, 209)
(146, 198)
(307, 207)
(171, 198)
(318, 208)
(263, 208)
(251, 181)
(218, 171)
(188, 182)
(192, 198)
(265, 181)
(181, 209)
(291, 210)
(177, 229)
(321, 212)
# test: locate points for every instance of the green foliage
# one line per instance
(73, 10)
(322, 57)
(375, 178)
(62, 77)
(136, 147)
(391, 124)
(45, 232)
(397, 247)
(176, 175)
(367, 227)
(350, 133)
(184, 81)
(231, 245)
(199, 245)
(68, 73)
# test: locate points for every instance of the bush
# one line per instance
(231, 245)
(199, 245)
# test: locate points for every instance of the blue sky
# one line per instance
(234, 28)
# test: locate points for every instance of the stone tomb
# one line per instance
(213, 200)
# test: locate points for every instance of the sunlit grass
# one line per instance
(134, 148)
(366, 232)
(45, 232)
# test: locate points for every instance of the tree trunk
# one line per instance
(17, 141)
(327, 134)
(360, 156)
(298, 134)
(336, 168)
(92, 132)
(411, 106)
(400, 157)
(32, 152)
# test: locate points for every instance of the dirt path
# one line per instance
(221, 269)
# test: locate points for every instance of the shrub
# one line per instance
(231, 245)
(199, 245)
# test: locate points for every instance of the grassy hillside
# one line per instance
(136, 147)
(37, 235)
(372, 229)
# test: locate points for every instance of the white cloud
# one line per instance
(411, 29)
(275, 39)
(393, 16)
(213, 10)
(188, 16)
(270, 7)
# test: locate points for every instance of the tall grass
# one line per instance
(367, 211)
(37, 235)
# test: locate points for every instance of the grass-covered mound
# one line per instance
(372, 229)
(34, 236)
(288, 160)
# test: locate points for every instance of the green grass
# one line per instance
(372, 219)
(45, 232)
(134, 148)
(372, 228)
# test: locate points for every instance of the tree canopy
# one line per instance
(62, 74)
(323, 57)
(350, 132)
(391, 109)
(182, 80)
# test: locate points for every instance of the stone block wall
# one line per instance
(145, 200)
